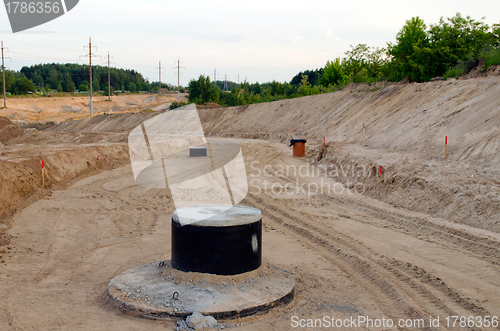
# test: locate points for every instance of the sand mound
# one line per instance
(9, 130)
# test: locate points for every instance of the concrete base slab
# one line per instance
(158, 291)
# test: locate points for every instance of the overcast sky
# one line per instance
(255, 40)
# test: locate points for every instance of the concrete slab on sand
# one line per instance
(158, 291)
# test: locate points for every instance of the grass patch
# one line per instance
(491, 57)
(176, 104)
(453, 72)
(462, 67)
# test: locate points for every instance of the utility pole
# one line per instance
(215, 77)
(89, 55)
(238, 79)
(109, 81)
(178, 67)
(159, 72)
(3, 74)
(109, 76)
(159, 77)
(225, 83)
(178, 79)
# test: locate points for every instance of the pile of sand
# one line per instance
(9, 130)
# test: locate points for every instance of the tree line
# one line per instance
(71, 77)
(450, 48)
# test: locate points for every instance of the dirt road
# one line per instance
(352, 255)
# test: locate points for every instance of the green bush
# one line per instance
(176, 104)
(202, 91)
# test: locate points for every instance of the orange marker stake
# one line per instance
(445, 147)
(324, 142)
(43, 174)
(381, 174)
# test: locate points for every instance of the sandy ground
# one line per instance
(424, 242)
(405, 130)
(57, 109)
(352, 255)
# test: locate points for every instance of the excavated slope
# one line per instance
(397, 117)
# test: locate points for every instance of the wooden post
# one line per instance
(43, 175)
(363, 133)
(381, 174)
(445, 147)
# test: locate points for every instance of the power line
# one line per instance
(24, 55)
(39, 45)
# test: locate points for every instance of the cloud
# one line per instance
(330, 34)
